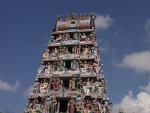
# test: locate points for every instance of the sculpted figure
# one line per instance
(79, 82)
(61, 66)
(99, 89)
(47, 103)
(75, 36)
(88, 83)
(79, 100)
(41, 69)
(92, 22)
(83, 36)
(78, 50)
(46, 55)
(74, 65)
(57, 83)
(72, 84)
(59, 38)
(71, 106)
(94, 51)
(85, 52)
(53, 105)
(67, 37)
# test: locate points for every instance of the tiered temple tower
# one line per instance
(71, 79)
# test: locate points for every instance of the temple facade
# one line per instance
(70, 78)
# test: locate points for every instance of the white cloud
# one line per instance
(147, 28)
(103, 22)
(4, 86)
(139, 103)
(139, 61)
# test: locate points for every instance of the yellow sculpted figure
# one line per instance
(72, 84)
(46, 55)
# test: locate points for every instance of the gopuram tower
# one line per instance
(71, 78)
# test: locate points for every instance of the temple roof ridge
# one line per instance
(74, 16)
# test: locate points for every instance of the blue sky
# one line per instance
(123, 33)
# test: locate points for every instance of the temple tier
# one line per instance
(71, 79)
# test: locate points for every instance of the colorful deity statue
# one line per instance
(46, 55)
(53, 106)
(72, 106)
(96, 67)
(78, 50)
(79, 104)
(92, 37)
(86, 52)
(55, 66)
(99, 89)
(106, 105)
(55, 51)
(41, 69)
(94, 51)
(86, 88)
(87, 106)
(67, 37)
(52, 82)
(43, 88)
(92, 22)
(79, 82)
(37, 108)
(72, 84)
(97, 85)
(52, 39)
(33, 111)
(47, 103)
(63, 37)
(49, 87)
(88, 83)
(74, 65)
(96, 105)
(61, 66)
(78, 109)
(75, 36)
(47, 72)
(57, 83)
(59, 38)
(83, 36)
(104, 110)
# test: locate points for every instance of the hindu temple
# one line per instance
(71, 78)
